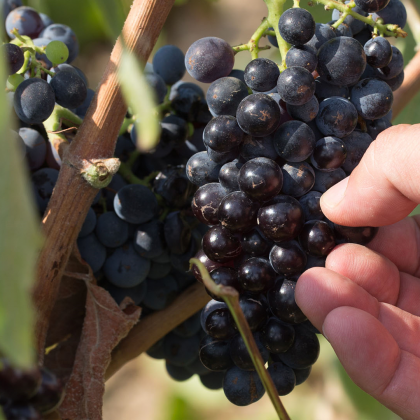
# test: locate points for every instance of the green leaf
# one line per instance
(140, 98)
(20, 241)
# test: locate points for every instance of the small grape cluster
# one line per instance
(269, 157)
(28, 393)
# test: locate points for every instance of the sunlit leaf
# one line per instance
(20, 240)
(139, 97)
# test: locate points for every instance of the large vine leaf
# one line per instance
(20, 241)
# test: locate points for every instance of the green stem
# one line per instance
(125, 172)
(275, 10)
(126, 123)
(253, 43)
(68, 116)
(231, 297)
(27, 56)
(296, 3)
(340, 21)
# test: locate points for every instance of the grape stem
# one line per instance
(231, 297)
(253, 44)
(126, 124)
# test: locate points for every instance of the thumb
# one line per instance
(385, 186)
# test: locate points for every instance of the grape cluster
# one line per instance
(276, 143)
(28, 393)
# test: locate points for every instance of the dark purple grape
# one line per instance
(255, 147)
(302, 375)
(207, 262)
(36, 147)
(311, 206)
(50, 393)
(220, 245)
(237, 212)
(372, 98)
(336, 117)
(180, 351)
(228, 175)
(294, 141)
(168, 63)
(177, 233)
(43, 181)
(355, 25)
(206, 201)
(364, 35)
(238, 74)
(297, 26)
(302, 56)
(296, 85)
(317, 238)
(284, 115)
(288, 258)
(283, 377)
(201, 170)
(282, 219)
(242, 387)
(254, 311)
(223, 133)
(256, 275)
(298, 178)
(329, 154)
(324, 90)
(177, 373)
(217, 321)
(261, 74)
(63, 33)
(378, 52)
(28, 110)
(209, 59)
(356, 143)
(395, 14)
(393, 68)
(306, 112)
(112, 232)
(371, 6)
(277, 336)
(396, 82)
(281, 299)
(26, 20)
(222, 157)
(13, 57)
(323, 33)
(341, 61)
(215, 354)
(18, 384)
(304, 351)
(225, 276)
(356, 235)
(258, 115)
(325, 180)
(260, 179)
(239, 353)
(225, 94)
(21, 411)
(254, 244)
(375, 127)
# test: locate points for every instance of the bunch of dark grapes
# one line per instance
(269, 157)
(28, 394)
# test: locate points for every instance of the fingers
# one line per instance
(409, 296)
(370, 270)
(384, 188)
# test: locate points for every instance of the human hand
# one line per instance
(367, 300)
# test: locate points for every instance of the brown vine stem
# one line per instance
(155, 326)
(231, 298)
(410, 86)
(95, 139)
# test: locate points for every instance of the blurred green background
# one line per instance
(142, 389)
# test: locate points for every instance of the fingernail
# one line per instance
(334, 196)
(323, 333)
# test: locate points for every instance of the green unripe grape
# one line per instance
(14, 81)
(57, 52)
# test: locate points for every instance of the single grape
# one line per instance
(215, 354)
(160, 293)
(92, 251)
(26, 20)
(282, 219)
(213, 380)
(89, 224)
(378, 52)
(206, 202)
(28, 110)
(311, 205)
(298, 178)
(306, 112)
(254, 311)
(240, 355)
(258, 115)
(302, 56)
(256, 275)
(296, 85)
(261, 74)
(302, 375)
(283, 377)
(277, 336)
(220, 245)
(329, 154)
(356, 235)
(375, 127)
(394, 14)
(201, 170)
(242, 387)
(254, 244)
(224, 276)
(69, 89)
(238, 74)
(228, 175)
(63, 33)
(370, 6)
(237, 212)
(180, 351)
(356, 144)
(325, 180)
(324, 90)
(317, 238)
(57, 52)
(364, 35)
(217, 321)
(13, 57)
(337, 117)
(168, 63)
(288, 258)
(255, 147)
(394, 68)
(111, 231)
(323, 33)
(178, 373)
(396, 82)
(297, 26)
(209, 59)
(294, 141)
(223, 133)
(341, 61)
(281, 299)
(36, 147)
(225, 94)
